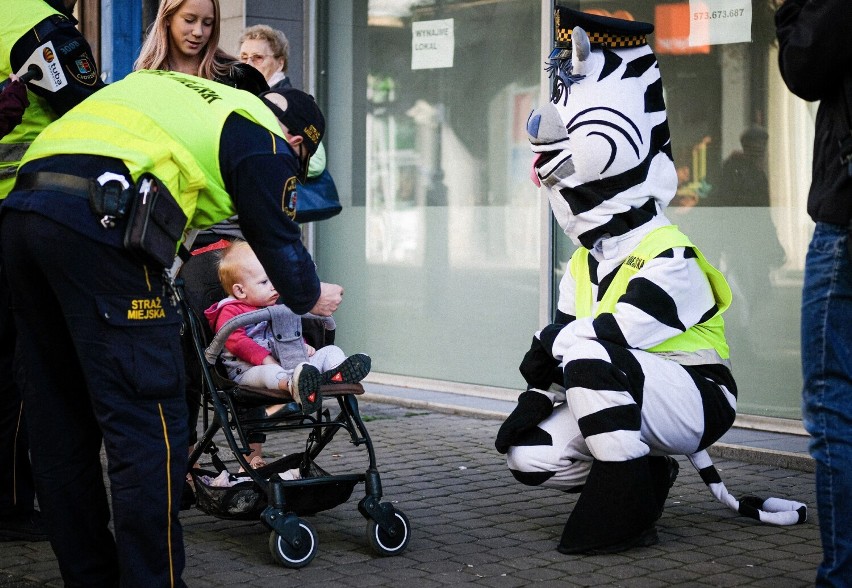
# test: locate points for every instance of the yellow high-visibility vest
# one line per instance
(707, 335)
(162, 122)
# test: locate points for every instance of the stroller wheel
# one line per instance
(393, 542)
(298, 555)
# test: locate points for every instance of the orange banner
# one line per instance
(671, 30)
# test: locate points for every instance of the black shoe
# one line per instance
(287, 409)
(25, 527)
(615, 511)
(259, 420)
(351, 370)
(646, 538)
(304, 387)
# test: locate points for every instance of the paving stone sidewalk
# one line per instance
(473, 525)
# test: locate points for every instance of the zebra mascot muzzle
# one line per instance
(636, 367)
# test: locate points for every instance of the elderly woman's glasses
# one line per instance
(254, 58)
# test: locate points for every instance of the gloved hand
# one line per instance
(539, 367)
(533, 407)
(13, 102)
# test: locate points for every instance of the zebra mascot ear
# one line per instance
(581, 49)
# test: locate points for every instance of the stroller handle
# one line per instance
(267, 313)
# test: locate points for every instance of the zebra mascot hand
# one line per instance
(643, 369)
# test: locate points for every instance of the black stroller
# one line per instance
(238, 412)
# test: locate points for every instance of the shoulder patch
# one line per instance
(288, 198)
(83, 70)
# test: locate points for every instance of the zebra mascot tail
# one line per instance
(775, 511)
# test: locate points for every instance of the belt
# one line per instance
(109, 196)
(67, 183)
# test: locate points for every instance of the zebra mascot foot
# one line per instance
(616, 510)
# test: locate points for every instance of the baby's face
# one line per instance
(254, 285)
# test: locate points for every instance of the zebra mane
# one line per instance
(560, 73)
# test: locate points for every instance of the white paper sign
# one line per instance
(432, 44)
(716, 22)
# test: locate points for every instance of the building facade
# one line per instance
(448, 255)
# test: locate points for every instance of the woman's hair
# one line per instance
(276, 39)
(231, 263)
(215, 63)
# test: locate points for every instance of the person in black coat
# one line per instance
(815, 58)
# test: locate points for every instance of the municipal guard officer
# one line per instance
(44, 31)
(102, 345)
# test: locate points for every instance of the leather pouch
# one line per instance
(156, 222)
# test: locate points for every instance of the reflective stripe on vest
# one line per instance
(707, 335)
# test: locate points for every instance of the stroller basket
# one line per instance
(240, 501)
(315, 492)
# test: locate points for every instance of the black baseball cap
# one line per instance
(302, 117)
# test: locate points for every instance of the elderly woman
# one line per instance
(268, 50)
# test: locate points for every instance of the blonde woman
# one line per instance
(184, 37)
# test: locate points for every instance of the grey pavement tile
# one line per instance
(11, 581)
(473, 525)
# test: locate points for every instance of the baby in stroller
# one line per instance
(268, 362)
(255, 357)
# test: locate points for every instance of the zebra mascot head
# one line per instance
(603, 144)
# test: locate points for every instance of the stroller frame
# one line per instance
(292, 541)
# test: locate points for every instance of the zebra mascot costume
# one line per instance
(635, 368)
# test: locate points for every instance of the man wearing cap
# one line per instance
(102, 348)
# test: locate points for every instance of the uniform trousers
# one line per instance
(100, 346)
(17, 493)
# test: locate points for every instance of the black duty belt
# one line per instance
(109, 196)
(74, 185)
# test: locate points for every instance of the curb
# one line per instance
(771, 457)
(436, 406)
(753, 455)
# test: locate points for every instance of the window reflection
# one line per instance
(447, 155)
